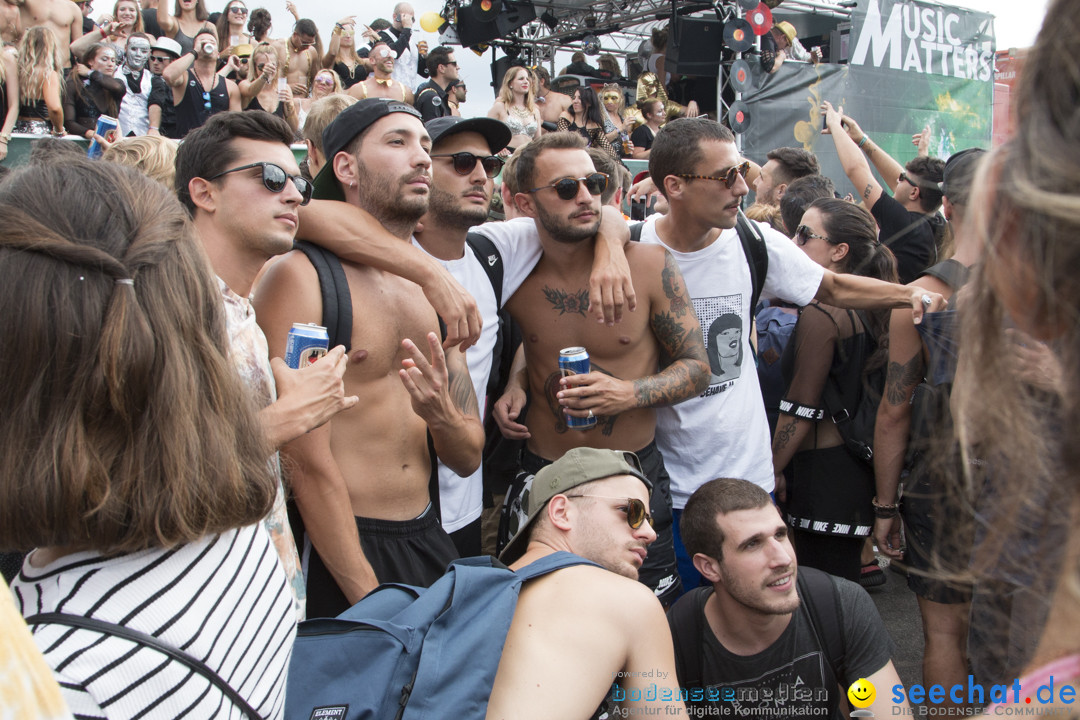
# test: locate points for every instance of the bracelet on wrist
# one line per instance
(862, 143)
(886, 513)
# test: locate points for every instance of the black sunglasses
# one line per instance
(635, 510)
(804, 235)
(567, 188)
(158, 58)
(238, 10)
(274, 178)
(464, 162)
(728, 177)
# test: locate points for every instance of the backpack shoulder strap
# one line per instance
(818, 591)
(757, 256)
(490, 259)
(951, 272)
(551, 563)
(140, 638)
(635, 231)
(686, 619)
(336, 297)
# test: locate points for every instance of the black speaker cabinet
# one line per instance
(694, 47)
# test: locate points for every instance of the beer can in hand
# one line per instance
(106, 127)
(575, 361)
(306, 343)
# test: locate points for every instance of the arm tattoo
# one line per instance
(784, 435)
(672, 281)
(686, 372)
(565, 302)
(461, 390)
(867, 191)
(606, 423)
(900, 379)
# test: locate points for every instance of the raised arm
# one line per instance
(346, 23)
(355, 235)
(863, 293)
(175, 76)
(887, 167)
(166, 20)
(685, 366)
(442, 394)
(852, 159)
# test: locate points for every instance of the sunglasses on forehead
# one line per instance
(728, 177)
(274, 179)
(464, 162)
(636, 514)
(567, 188)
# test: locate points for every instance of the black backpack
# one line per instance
(817, 591)
(753, 244)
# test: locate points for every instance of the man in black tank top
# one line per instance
(198, 91)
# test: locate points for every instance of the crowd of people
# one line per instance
(769, 403)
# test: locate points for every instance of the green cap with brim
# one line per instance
(576, 467)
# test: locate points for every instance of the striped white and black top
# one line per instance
(223, 600)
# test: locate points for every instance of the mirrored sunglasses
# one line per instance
(274, 178)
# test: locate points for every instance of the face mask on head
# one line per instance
(138, 52)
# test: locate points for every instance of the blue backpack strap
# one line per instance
(336, 297)
(818, 592)
(551, 563)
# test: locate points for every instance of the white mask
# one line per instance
(138, 52)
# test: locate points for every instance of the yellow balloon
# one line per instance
(431, 21)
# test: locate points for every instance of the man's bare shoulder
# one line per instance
(581, 586)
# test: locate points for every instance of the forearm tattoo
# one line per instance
(899, 379)
(784, 434)
(606, 423)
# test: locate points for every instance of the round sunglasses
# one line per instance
(728, 177)
(464, 162)
(567, 188)
(635, 510)
(274, 178)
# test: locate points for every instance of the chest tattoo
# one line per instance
(564, 302)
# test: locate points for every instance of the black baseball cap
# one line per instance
(352, 121)
(496, 132)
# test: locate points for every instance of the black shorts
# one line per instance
(936, 541)
(414, 552)
(660, 573)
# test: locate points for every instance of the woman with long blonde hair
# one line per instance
(341, 55)
(41, 110)
(516, 106)
(262, 91)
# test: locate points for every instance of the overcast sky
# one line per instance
(1016, 25)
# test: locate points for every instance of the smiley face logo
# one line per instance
(862, 693)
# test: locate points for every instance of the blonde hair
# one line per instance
(506, 94)
(337, 81)
(613, 88)
(322, 113)
(154, 156)
(37, 58)
(263, 49)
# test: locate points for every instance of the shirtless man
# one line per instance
(361, 481)
(577, 632)
(655, 357)
(298, 57)
(63, 17)
(380, 84)
(552, 104)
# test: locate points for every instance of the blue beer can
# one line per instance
(575, 361)
(307, 342)
(106, 126)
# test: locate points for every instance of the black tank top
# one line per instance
(256, 105)
(192, 110)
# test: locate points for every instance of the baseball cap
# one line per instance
(168, 45)
(352, 121)
(496, 132)
(576, 467)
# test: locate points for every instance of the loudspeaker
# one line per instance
(512, 16)
(499, 69)
(694, 46)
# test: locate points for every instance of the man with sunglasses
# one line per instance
(767, 638)
(725, 432)
(362, 482)
(161, 113)
(585, 636)
(909, 220)
(431, 96)
(298, 58)
(654, 357)
(242, 161)
(198, 91)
